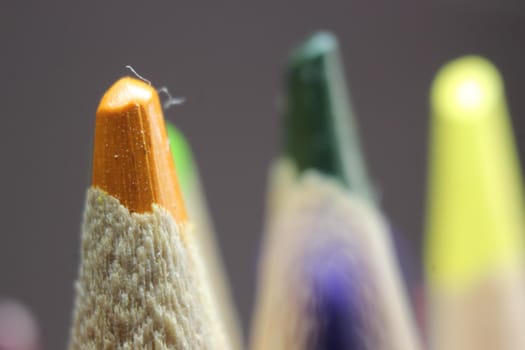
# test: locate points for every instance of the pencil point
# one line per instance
(466, 88)
(132, 159)
(124, 92)
(182, 156)
(320, 43)
(320, 131)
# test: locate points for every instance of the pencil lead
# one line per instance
(132, 159)
(475, 209)
(320, 131)
(182, 156)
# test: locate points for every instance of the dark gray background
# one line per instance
(57, 59)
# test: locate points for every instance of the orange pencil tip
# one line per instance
(131, 158)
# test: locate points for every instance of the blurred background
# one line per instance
(58, 57)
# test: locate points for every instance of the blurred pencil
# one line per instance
(328, 278)
(138, 286)
(320, 127)
(475, 219)
(212, 268)
(19, 329)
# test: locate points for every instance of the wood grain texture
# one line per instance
(312, 218)
(138, 286)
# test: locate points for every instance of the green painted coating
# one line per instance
(181, 153)
(320, 128)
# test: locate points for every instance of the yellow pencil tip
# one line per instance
(468, 87)
(475, 209)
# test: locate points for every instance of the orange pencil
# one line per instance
(140, 284)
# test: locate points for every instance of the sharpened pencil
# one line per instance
(475, 215)
(213, 268)
(328, 277)
(139, 285)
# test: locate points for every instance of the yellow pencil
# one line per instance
(475, 219)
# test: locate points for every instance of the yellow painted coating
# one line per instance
(475, 213)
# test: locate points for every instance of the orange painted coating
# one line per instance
(131, 158)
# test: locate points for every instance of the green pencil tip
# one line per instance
(182, 156)
(320, 130)
(318, 44)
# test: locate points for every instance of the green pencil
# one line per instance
(327, 254)
(213, 268)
